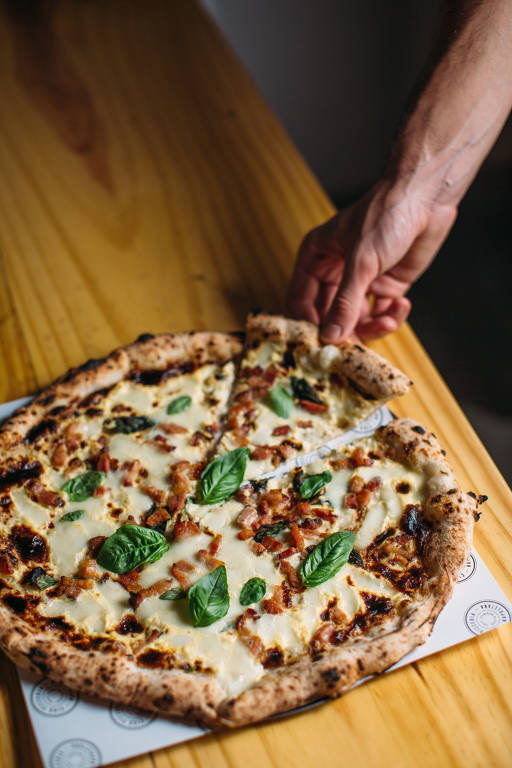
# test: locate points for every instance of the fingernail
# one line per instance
(330, 332)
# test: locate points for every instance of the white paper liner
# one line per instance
(75, 731)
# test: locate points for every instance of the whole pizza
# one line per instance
(171, 540)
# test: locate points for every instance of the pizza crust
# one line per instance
(148, 352)
(201, 698)
(371, 374)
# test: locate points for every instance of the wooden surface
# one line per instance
(146, 186)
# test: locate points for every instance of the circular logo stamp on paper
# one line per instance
(485, 615)
(131, 718)
(53, 699)
(369, 425)
(467, 570)
(75, 753)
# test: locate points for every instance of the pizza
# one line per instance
(292, 394)
(144, 560)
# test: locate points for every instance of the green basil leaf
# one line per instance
(223, 476)
(44, 581)
(270, 530)
(302, 390)
(281, 402)
(313, 484)
(131, 546)
(179, 404)
(208, 598)
(327, 558)
(253, 591)
(70, 517)
(173, 594)
(81, 487)
(125, 425)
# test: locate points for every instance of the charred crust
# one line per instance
(417, 428)
(45, 427)
(144, 337)
(16, 472)
(331, 676)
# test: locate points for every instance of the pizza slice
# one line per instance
(292, 394)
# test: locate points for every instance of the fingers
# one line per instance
(349, 302)
(302, 295)
(377, 325)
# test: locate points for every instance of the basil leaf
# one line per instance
(44, 581)
(179, 404)
(125, 425)
(302, 390)
(173, 594)
(281, 402)
(81, 487)
(327, 558)
(208, 598)
(270, 530)
(131, 546)
(223, 476)
(313, 484)
(70, 517)
(253, 591)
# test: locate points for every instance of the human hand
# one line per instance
(375, 248)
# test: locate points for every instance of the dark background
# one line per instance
(338, 74)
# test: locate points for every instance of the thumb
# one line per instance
(345, 309)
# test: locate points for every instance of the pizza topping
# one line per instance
(173, 594)
(223, 476)
(268, 531)
(130, 581)
(70, 517)
(252, 641)
(180, 571)
(173, 429)
(71, 587)
(87, 569)
(253, 591)
(126, 425)
(83, 486)
(95, 544)
(281, 402)
(179, 404)
(38, 577)
(208, 598)
(131, 546)
(59, 456)
(304, 392)
(186, 528)
(155, 590)
(247, 517)
(158, 495)
(327, 558)
(157, 519)
(313, 484)
(161, 444)
(130, 476)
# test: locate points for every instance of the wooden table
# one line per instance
(146, 186)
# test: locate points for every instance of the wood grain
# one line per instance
(148, 187)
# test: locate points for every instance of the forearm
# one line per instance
(462, 108)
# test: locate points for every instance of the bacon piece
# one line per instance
(253, 642)
(8, 563)
(340, 463)
(131, 475)
(181, 466)
(257, 548)
(297, 537)
(271, 373)
(99, 491)
(350, 501)
(72, 587)
(180, 482)
(311, 523)
(197, 469)
(292, 577)
(72, 437)
(180, 570)
(156, 494)
(272, 606)
(196, 438)
(42, 495)
(173, 429)
(215, 544)
(159, 515)
(104, 462)
(262, 452)
(130, 581)
(184, 529)
(374, 484)
(325, 514)
(287, 553)
(363, 498)
(87, 569)
(94, 545)
(359, 458)
(310, 407)
(247, 517)
(322, 636)
(304, 424)
(356, 484)
(303, 508)
(275, 497)
(281, 431)
(282, 453)
(211, 562)
(271, 544)
(161, 444)
(155, 590)
(59, 455)
(176, 502)
(265, 513)
(245, 534)
(240, 435)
